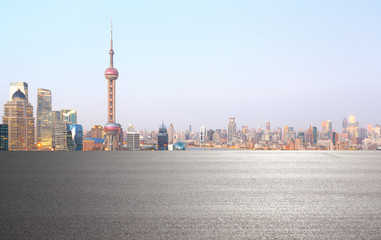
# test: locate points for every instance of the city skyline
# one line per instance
(293, 65)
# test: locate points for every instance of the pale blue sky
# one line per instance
(199, 62)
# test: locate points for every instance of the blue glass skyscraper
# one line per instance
(77, 136)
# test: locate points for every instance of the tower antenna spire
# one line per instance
(111, 49)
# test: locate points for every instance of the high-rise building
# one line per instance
(324, 126)
(77, 136)
(171, 132)
(203, 135)
(44, 127)
(133, 141)
(345, 125)
(353, 127)
(162, 138)
(3, 137)
(314, 132)
(56, 119)
(15, 86)
(268, 126)
(60, 136)
(69, 116)
(232, 129)
(18, 115)
(112, 129)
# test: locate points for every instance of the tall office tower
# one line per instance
(345, 125)
(60, 136)
(268, 126)
(56, 119)
(18, 115)
(329, 126)
(309, 136)
(232, 129)
(96, 131)
(324, 126)
(279, 131)
(202, 135)
(133, 141)
(314, 132)
(245, 129)
(44, 127)
(3, 137)
(369, 128)
(209, 135)
(77, 136)
(190, 128)
(352, 127)
(162, 138)
(171, 132)
(111, 128)
(14, 86)
(69, 116)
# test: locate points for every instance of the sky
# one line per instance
(294, 63)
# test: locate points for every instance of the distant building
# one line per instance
(133, 141)
(202, 135)
(18, 115)
(97, 132)
(15, 86)
(268, 126)
(162, 139)
(345, 125)
(44, 121)
(232, 129)
(3, 137)
(171, 132)
(130, 128)
(92, 144)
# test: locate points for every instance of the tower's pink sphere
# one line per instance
(111, 71)
(111, 128)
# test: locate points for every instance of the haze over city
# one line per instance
(294, 63)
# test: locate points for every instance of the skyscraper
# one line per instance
(133, 141)
(3, 137)
(170, 133)
(345, 125)
(268, 126)
(112, 129)
(44, 127)
(18, 115)
(162, 139)
(232, 129)
(14, 86)
(77, 136)
(202, 135)
(69, 116)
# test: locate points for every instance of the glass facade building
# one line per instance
(3, 137)
(69, 116)
(76, 136)
(44, 126)
(162, 139)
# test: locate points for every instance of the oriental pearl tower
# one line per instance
(111, 128)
